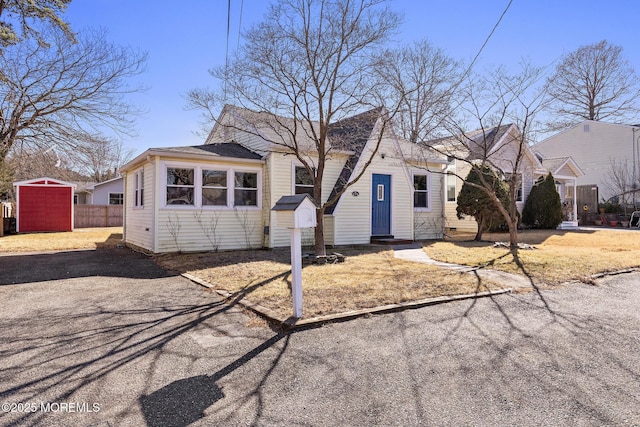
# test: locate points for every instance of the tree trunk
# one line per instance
(319, 234)
(513, 232)
(480, 222)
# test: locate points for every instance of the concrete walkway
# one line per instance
(414, 253)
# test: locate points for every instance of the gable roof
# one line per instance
(351, 134)
(477, 142)
(556, 164)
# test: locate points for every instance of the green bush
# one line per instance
(543, 208)
(477, 203)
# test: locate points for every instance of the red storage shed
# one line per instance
(44, 204)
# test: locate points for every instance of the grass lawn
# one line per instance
(370, 277)
(560, 256)
(81, 238)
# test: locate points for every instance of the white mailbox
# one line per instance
(297, 211)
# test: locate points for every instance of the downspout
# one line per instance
(124, 210)
(443, 201)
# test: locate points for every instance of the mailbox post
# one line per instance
(296, 212)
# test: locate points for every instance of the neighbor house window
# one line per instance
(139, 188)
(180, 186)
(245, 189)
(450, 179)
(421, 191)
(214, 187)
(303, 183)
(115, 198)
(519, 191)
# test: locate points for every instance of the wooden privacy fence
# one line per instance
(97, 216)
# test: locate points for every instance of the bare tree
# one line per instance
(425, 79)
(594, 83)
(502, 108)
(24, 13)
(65, 92)
(309, 61)
(619, 180)
(100, 157)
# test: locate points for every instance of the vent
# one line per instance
(585, 128)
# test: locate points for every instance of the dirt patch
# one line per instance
(82, 238)
(369, 277)
(560, 256)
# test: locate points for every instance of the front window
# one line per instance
(303, 181)
(180, 186)
(116, 198)
(214, 187)
(421, 191)
(246, 189)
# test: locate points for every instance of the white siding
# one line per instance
(281, 169)
(592, 149)
(180, 230)
(353, 213)
(138, 224)
(429, 224)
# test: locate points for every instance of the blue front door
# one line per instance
(380, 205)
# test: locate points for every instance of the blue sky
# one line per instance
(184, 42)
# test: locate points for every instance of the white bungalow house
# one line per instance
(219, 195)
(595, 146)
(499, 146)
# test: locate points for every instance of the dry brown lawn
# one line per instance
(560, 256)
(370, 277)
(82, 238)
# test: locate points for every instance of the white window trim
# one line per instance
(295, 165)
(450, 171)
(138, 184)
(229, 187)
(197, 183)
(428, 191)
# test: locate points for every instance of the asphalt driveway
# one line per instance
(106, 338)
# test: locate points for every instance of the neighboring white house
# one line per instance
(499, 147)
(594, 146)
(219, 195)
(109, 192)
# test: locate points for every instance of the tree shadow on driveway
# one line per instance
(120, 262)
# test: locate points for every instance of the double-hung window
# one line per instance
(139, 188)
(245, 189)
(421, 191)
(450, 179)
(180, 186)
(214, 187)
(303, 183)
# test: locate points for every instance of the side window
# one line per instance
(450, 180)
(519, 183)
(180, 186)
(421, 191)
(139, 188)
